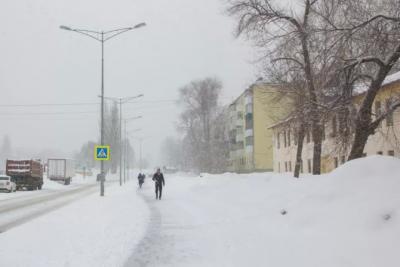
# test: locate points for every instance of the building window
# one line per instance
(286, 167)
(249, 140)
(343, 160)
(379, 153)
(389, 117)
(240, 145)
(336, 162)
(378, 111)
(288, 137)
(278, 140)
(309, 166)
(249, 121)
(240, 115)
(249, 108)
(308, 136)
(377, 108)
(279, 167)
(391, 153)
(334, 126)
(290, 166)
(284, 138)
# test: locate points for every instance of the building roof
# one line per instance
(359, 89)
(362, 88)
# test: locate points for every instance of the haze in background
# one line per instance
(41, 64)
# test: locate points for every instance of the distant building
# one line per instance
(250, 140)
(386, 140)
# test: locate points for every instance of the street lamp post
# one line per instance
(102, 37)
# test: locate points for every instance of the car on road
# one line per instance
(7, 184)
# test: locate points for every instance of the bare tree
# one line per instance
(373, 33)
(275, 28)
(200, 103)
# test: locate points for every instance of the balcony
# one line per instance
(248, 99)
(249, 132)
(239, 138)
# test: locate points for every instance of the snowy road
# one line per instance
(18, 210)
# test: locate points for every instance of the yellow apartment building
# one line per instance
(249, 137)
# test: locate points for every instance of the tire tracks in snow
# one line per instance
(26, 209)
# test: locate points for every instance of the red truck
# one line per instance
(26, 173)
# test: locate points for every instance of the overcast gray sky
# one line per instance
(41, 64)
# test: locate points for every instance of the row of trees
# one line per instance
(321, 51)
(111, 137)
(203, 145)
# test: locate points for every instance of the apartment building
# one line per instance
(386, 140)
(249, 137)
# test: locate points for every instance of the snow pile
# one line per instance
(93, 231)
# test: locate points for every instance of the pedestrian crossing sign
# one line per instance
(102, 152)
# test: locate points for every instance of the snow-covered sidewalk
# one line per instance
(94, 231)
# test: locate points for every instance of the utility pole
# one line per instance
(104, 36)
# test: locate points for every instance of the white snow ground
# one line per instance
(347, 218)
(93, 231)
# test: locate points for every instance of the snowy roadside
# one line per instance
(91, 232)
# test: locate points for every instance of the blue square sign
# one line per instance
(102, 153)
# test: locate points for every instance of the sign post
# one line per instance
(101, 153)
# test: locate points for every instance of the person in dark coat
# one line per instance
(158, 178)
(141, 177)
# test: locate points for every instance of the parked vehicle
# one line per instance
(25, 173)
(7, 184)
(61, 170)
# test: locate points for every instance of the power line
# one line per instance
(47, 104)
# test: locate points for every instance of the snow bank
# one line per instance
(94, 231)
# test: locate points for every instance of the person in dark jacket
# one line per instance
(141, 177)
(158, 178)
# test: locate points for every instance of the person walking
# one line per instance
(158, 178)
(141, 177)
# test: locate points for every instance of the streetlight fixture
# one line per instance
(102, 37)
(122, 100)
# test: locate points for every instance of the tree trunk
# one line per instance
(362, 132)
(300, 141)
(317, 150)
